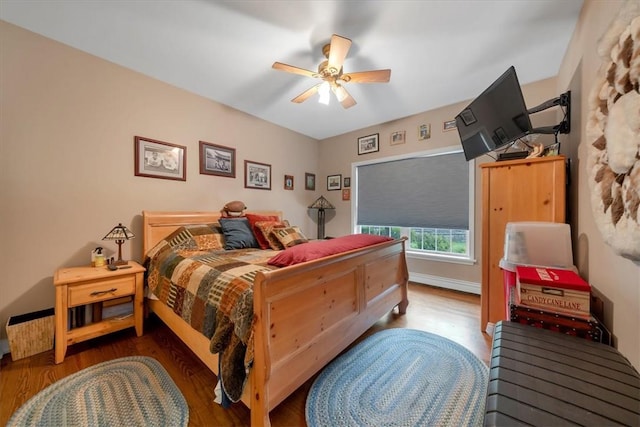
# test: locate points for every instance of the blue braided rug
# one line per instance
(130, 391)
(400, 377)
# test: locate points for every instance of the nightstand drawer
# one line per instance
(101, 290)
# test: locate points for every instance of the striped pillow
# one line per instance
(267, 228)
(290, 236)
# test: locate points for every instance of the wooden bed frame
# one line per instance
(305, 314)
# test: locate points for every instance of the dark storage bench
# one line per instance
(544, 378)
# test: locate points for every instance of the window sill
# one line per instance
(440, 257)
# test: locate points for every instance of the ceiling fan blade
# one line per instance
(306, 94)
(338, 51)
(291, 69)
(348, 102)
(376, 76)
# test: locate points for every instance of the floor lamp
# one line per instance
(321, 204)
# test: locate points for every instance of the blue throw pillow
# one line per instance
(237, 233)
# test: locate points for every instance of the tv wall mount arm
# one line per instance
(564, 126)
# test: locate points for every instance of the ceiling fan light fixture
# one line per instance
(341, 93)
(325, 93)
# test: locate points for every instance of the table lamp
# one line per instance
(321, 204)
(119, 233)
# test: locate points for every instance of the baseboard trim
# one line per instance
(445, 282)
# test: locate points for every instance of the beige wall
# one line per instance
(616, 278)
(67, 176)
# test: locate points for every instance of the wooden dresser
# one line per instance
(516, 190)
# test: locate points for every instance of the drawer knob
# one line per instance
(100, 293)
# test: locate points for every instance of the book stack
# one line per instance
(555, 299)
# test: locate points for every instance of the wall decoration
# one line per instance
(309, 181)
(368, 144)
(288, 182)
(257, 175)
(346, 194)
(334, 182)
(612, 135)
(346, 182)
(398, 137)
(449, 125)
(158, 159)
(424, 132)
(217, 160)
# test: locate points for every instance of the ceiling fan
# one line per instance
(330, 71)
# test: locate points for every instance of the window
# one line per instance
(426, 196)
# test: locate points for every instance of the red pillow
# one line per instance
(322, 248)
(253, 218)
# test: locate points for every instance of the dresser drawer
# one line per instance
(101, 290)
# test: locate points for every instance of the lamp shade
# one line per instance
(119, 232)
(321, 203)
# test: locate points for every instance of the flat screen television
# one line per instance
(495, 118)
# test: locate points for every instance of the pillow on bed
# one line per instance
(266, 229)
(204, 237)
(290, 236)
(323, 248)
(260, 236)
(237, 233)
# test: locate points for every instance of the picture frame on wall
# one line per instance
(217, 160)
(334, 182)
(310, 181)
(288, 182)
(257, 175)
(449, 125)
(346, 182)
(397, 137)
(424, 132)
(159, 159)
(368, 144)
(346, 194)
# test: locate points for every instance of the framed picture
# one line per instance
(158, 159)
(449, 125)
(217, 160)
(334, 182)
(257, 175)
(368, 144)
(397, 137)
(424, 132)
(346, 182)
(310, 181)
(346, 194)
(468, 117)
(288, 182)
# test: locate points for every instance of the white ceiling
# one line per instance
(440, 52)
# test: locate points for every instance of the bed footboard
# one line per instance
(307, 314)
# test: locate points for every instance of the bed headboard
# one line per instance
(156, 225)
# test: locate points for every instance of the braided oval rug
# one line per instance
(400, 377)
(130, 391)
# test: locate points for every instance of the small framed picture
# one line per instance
(346, 194)
(424, 132)
(449, 125)
(288, 182)
(334, 182)
(217, 160)
(257, 175)
(468, 117)
(310, 181)
(346, 182)
(368, 144)
(158, 159)
(397, 137)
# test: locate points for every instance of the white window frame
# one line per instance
(467, 259)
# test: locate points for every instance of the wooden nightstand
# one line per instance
(77, 286)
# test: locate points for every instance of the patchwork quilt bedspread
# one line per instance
(212, 290)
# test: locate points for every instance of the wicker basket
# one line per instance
(31, 333)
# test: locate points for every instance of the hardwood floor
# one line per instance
(452, 314)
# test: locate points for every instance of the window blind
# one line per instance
(428, 192)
